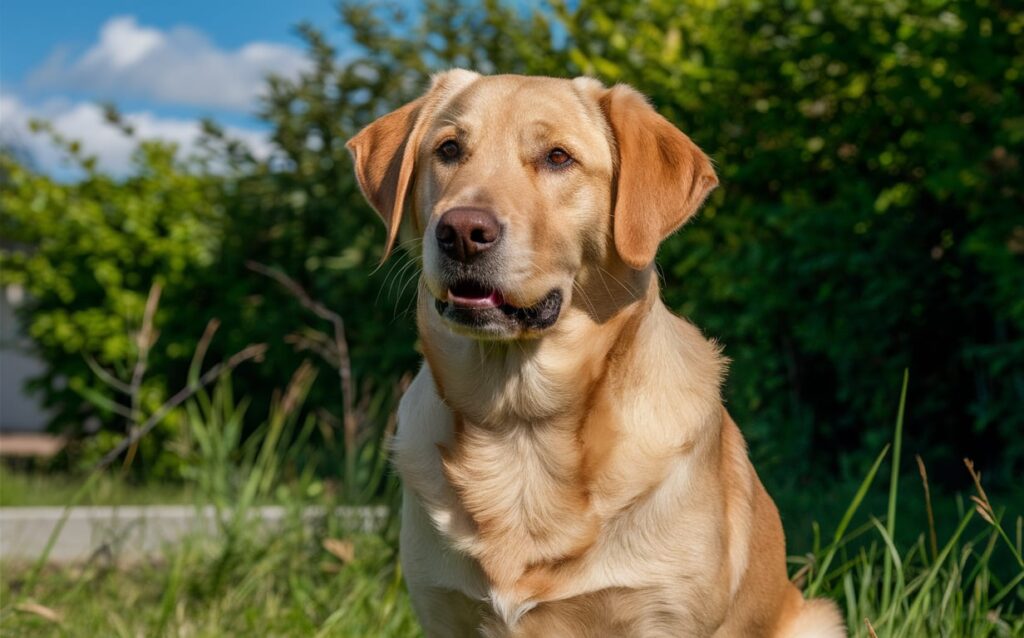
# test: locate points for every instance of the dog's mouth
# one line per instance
(477, 305)
(474, 294)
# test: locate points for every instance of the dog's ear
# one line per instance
(384, 152)
(384, 160)
(662, 178)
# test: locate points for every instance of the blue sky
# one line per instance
(163, 63)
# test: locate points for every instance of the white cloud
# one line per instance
(85, 122)
(176, 66)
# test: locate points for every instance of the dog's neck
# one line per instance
(500, 384)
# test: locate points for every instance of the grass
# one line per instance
(957, 589)
(30, 489)
(894, 576)
(297, 578)
(282, 584)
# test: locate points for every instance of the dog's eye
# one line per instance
(559, 158)
(449, 151)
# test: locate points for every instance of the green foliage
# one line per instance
(87, 254)
(868, 219)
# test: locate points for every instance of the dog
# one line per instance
(568, 467)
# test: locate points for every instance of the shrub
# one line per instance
(87, 254)
(869, 214)
(868, 219)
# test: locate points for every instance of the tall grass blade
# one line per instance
(894, 480)
(37, 568)
(858, 498)
(933, 572)
(171, 590)
(933, 538)
(887, 611)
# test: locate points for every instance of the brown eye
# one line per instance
(449, 151)
(559, 158)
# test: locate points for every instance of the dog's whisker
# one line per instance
(400, 276)
(409, 243)
(626, 288)
(401, 293)
(410, 265)
(584, 296)
(388, 278)
(397, 273)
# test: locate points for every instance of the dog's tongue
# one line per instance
(470, 295)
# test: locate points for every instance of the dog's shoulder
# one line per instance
(425, 425)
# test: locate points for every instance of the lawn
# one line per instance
(24, 489)
(285, 584)
(322, 580)
(894, 571)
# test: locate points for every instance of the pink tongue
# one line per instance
(492, 299)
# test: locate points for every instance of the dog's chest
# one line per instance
(526, 509)
(521, 488)
(522, 507)
(512, 500)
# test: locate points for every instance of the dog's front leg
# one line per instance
(444, 613)
(437, 576)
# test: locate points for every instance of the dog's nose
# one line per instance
(463, 233)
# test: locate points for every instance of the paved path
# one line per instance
(133, 532)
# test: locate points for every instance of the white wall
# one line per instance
(18, 411)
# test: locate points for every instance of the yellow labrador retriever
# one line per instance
(568, 466)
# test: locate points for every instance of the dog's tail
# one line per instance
(815, 618)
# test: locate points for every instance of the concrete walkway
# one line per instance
(133, 532)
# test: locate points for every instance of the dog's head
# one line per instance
(519, 186)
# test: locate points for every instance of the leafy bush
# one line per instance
(87, 254)
(868, 219)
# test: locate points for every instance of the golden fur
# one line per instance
(585, 479)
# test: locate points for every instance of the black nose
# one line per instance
(463, 233)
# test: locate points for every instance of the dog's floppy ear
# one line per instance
(384, 160)
(662, 178)
(385, 151)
